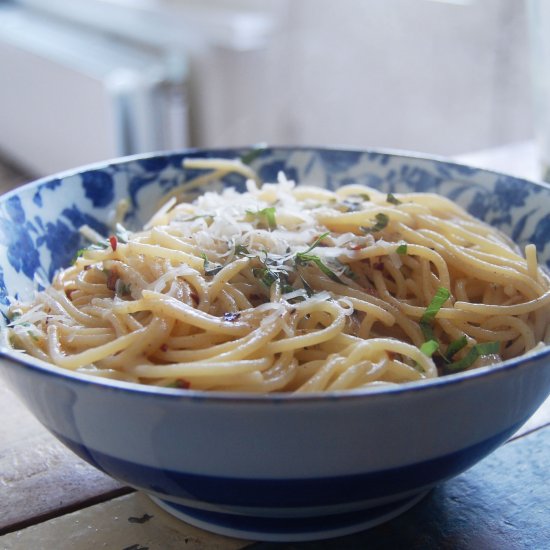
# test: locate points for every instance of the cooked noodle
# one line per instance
(290, 288)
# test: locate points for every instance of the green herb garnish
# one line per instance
(382, 221)
(427, 319)
(315, 243)
(392, 199)
(454, 347)
(13, 316)
(14, 320)
(472, 356)
(307, 288)
(253, 154)
(266, 275)
(241, 250)
(265, 216)
(402, 249)
(325, 269)
(303, 259)
(269, 214)
(348, 272)
(79, 253)
(210, 268)
(429, 347)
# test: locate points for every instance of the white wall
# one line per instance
(443, 77)
(413, 74)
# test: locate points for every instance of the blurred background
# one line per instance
(88, 80)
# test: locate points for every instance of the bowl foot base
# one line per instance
(288, 529)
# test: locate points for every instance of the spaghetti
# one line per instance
(290, 288)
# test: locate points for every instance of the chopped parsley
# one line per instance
(402, 249)
(429, 347)
(454, 347)
(241, 250)
(315, 243)
(79, 253)
(303, 259)
(253, 154)
(426, 321)
(382, 221)
(472, 356)
(276, 268)
(272, 271)
(13, 316)
(266, 275)
(307, 288)
(392, 199)
(266, 217)
(348, 272)
(210, 268)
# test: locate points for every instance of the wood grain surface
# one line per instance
(39, 477)
(130, 522)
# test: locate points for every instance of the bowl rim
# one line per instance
(394, 152)
(30, 363)
(533, 358)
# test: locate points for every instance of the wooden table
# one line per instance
(50, 499)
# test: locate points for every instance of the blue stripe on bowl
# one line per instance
(302, 492)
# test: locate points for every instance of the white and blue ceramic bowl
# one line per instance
(277, 467)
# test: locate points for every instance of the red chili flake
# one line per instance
(164, 347)
(356, 247)
(113, 241)
(112, 278)
(231, 316)
(181, 383)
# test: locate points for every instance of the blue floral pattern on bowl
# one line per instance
(39, 233)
